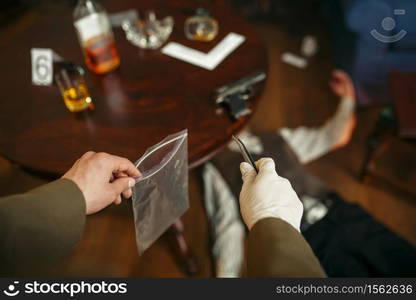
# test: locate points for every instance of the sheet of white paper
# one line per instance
(208, 60)
(187, 54)
(224, 48)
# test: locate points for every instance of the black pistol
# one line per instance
(235, 95)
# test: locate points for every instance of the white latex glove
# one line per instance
(266, 195)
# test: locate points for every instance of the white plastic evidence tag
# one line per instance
(208, 60)
(42, 66)
(294, 60)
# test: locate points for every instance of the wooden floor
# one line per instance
(292, 97)
(296, 97)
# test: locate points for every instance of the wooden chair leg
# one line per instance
(371, 148)
(385, 124)
(181, 248)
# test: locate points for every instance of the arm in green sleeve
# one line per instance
(276, 249)
(40, 226)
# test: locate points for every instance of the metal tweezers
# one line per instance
(246, 155)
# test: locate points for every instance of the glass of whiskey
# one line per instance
(71, 83)
(201, 26)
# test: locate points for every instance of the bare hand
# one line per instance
(341, 84)
(102, 178)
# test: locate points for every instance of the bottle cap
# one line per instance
(202, 12)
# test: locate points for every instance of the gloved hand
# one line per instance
(266, 194)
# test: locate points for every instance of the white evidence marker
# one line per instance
(42, 66)
(309, 46)
(294, 60)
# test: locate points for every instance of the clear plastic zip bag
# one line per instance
(160, 195)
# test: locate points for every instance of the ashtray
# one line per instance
(149, 33)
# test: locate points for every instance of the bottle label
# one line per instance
(92, 26)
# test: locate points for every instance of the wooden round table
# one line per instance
(150, 96)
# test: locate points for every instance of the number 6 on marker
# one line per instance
(42, 66)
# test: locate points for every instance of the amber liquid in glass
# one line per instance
(204, 36)
(201, 29)
(101, 54)
(77, 99)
